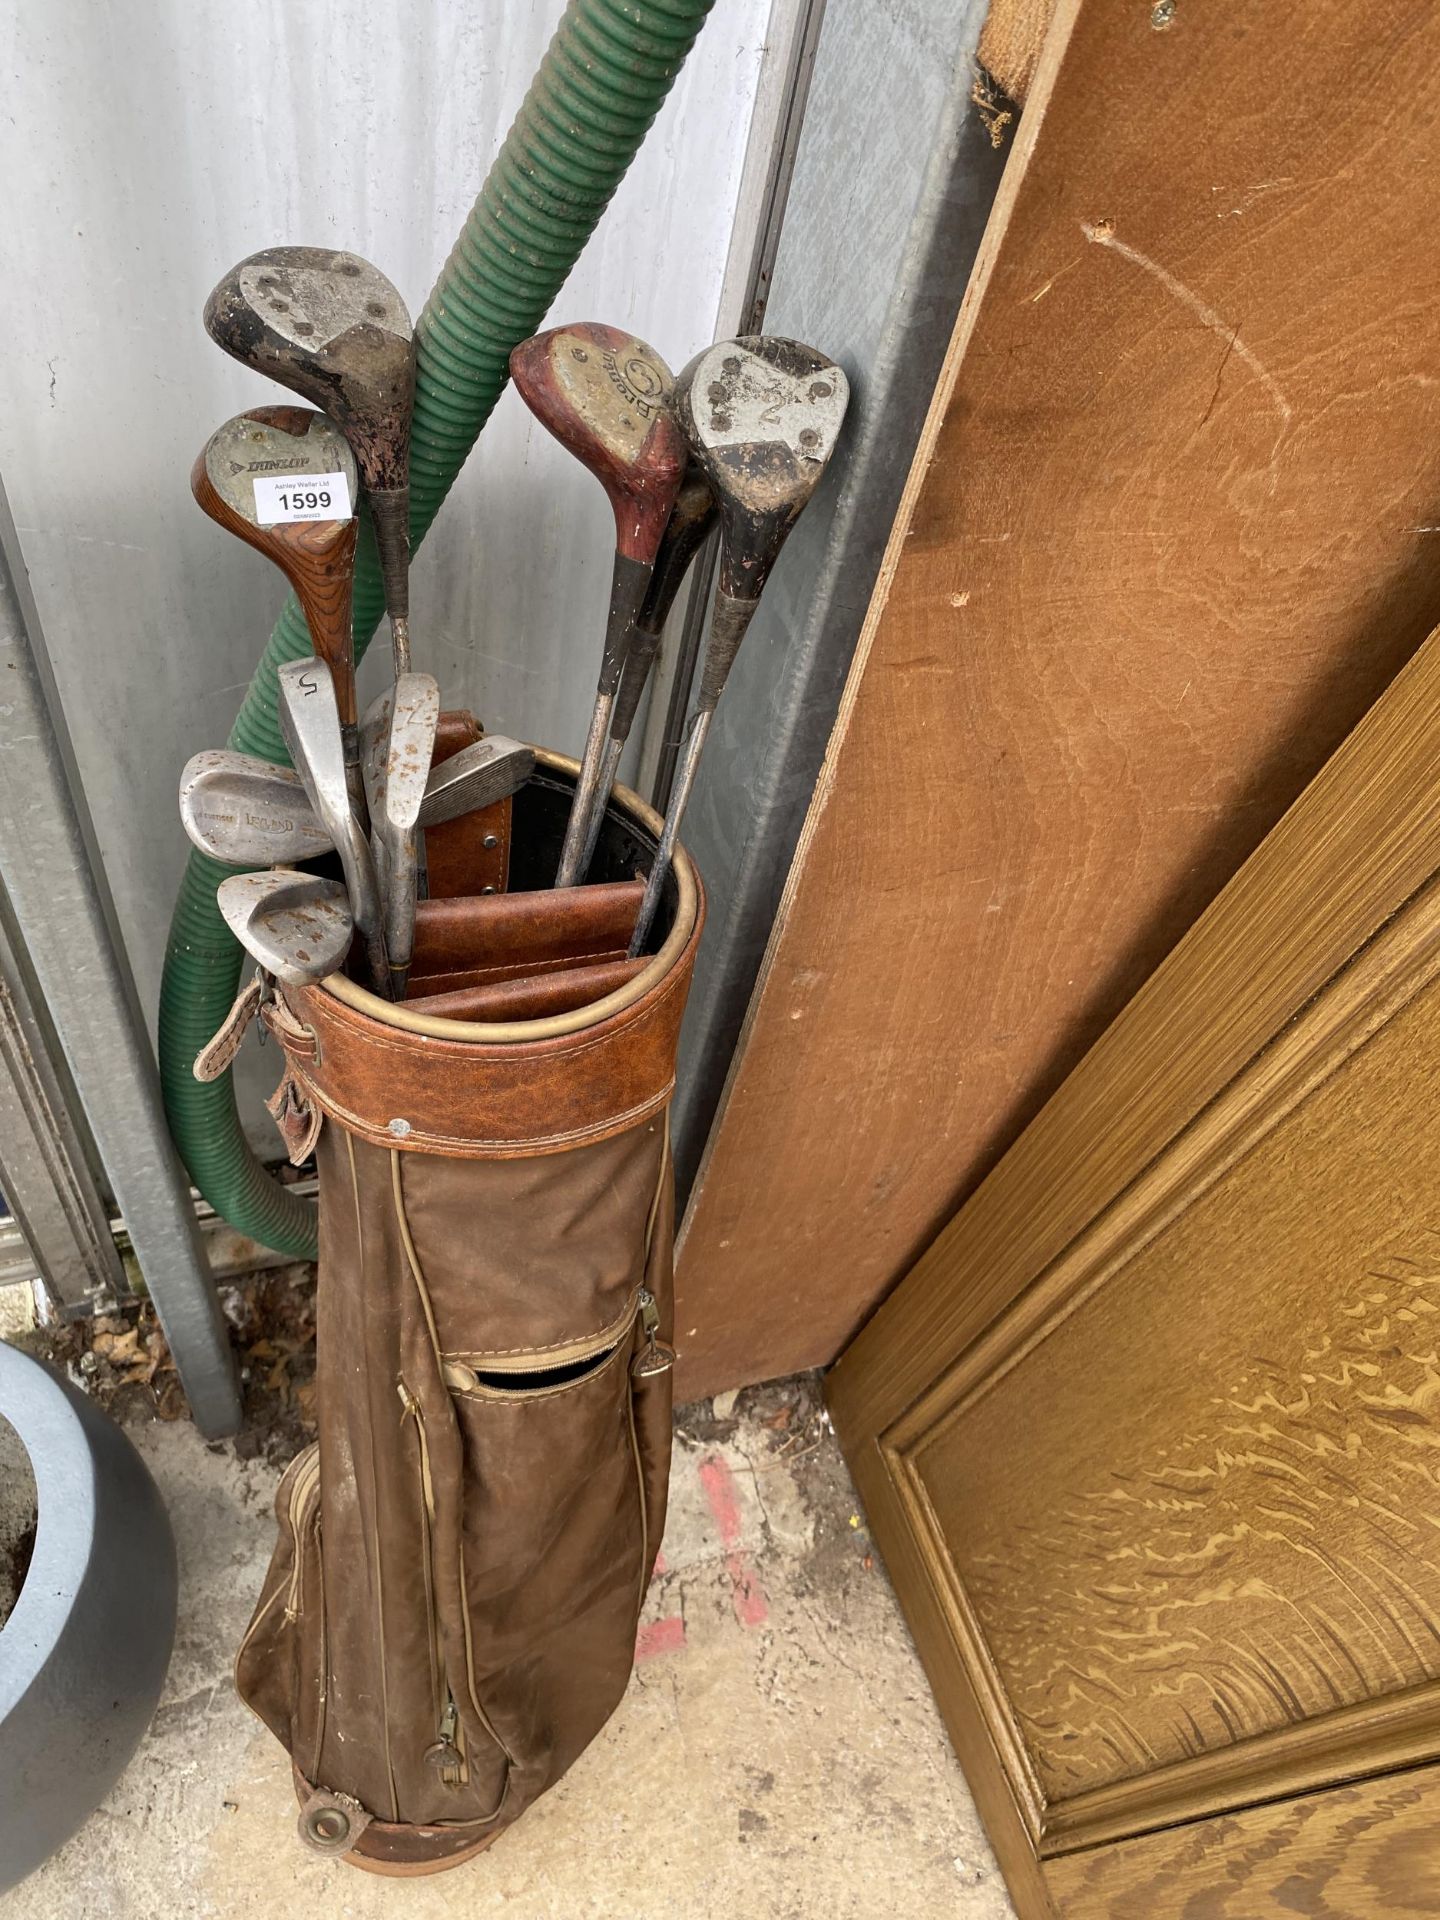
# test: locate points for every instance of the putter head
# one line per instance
(247, 812)
(479, 775)
(296, 925)
(329, 326)
(606, 397)
(762, 416)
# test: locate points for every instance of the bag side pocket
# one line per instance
(280, 1669)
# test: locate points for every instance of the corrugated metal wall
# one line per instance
(143, 150)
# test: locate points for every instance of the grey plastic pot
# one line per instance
(83, 1655)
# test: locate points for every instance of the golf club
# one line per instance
(310, 721)
(689, 525)
(762, 416)
(479, 775)
(398, 737)
(331, 327)
(247, 812)
(605, 396)
(297, 925)
(283, 479)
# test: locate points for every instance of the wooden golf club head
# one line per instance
(296, 925)
(248, 812)
(762, 416)
(605, 396)
(239, 480)
(330, 326)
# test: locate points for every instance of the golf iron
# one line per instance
(248, 812)
(310, 722)
(605, 396)
(330, 326)
(397, 740)
(297, 925)
(762, 416)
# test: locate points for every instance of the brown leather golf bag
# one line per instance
(450, 1613)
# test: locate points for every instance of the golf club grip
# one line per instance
(390, 511)
(728, 625)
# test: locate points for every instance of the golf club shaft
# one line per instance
(728, 625)
(609, 769)
(628, 587)
(690, 521)
(586, 787)
(674, 813)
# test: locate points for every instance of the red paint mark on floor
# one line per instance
(660, 1566)
(660, 1636)
(752, 1608)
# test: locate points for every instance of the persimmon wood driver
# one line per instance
(762, 416)
(605, 396)
(331, 327)
(240, 481)
(690, 522)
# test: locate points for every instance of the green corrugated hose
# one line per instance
(602, 81)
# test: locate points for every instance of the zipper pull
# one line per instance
(655, 1357)
(444, 1754)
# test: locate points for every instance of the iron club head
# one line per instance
(398, 738)
(297, 925)
(479, 775)
(248, 812)
(310, 723)
(330, 326)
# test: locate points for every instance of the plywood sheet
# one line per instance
(1172, 529)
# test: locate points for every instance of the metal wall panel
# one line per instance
(144, 149)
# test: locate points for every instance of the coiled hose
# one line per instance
(604, 77)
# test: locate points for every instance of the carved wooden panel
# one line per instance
(1186, 1493)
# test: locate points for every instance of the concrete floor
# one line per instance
(778, 1751)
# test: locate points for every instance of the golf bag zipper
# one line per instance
(306, 1487)
(447, 1753)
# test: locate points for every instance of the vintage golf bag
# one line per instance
(450, 1613)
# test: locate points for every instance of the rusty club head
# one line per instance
(762, 416)
(283, 479)
(606, 397)
(330, 326)
(298, 926)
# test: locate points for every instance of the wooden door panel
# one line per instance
(1151, 1436)
(1358, 1851)
(1206, 1504)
